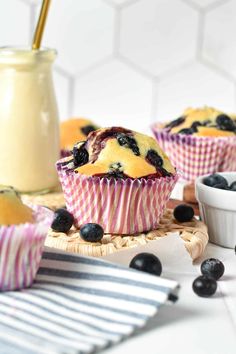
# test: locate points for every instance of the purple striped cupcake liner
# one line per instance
(65, 153)
(195, 156)
(124, 207)
(21, 249)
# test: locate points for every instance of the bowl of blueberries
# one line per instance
(216, 195)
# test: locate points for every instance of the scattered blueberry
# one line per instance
(128, 142)
(175, 122)
(146, 262)
(183, 213)
(81, 155)
(91, 232)
(204, 286)
(186, 131)
(214, 179)
(224, 122)
(87, 129)
(173, 298)
(213, 268)
(233, 186)
(63, 220)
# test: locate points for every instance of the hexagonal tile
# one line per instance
(159, 34)
(82, 32)
(204, 3)
(119, 2)
(62, 88)
(113, 94)
(14, 23)
(196, 86)
(34, 2)
(219, 44)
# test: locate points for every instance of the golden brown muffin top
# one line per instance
(12, 210)
(204, 121)
(120, 153)
(74, 130)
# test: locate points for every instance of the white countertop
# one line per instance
(194, 325)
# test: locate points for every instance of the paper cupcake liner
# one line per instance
(195, 156)
(21, 250)
(119, 206)
(65, 153)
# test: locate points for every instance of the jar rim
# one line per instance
(26, 54)
(11, 50)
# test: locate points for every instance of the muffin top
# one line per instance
(12, 210)
(204, 121)
(74, 130)
(120, 153)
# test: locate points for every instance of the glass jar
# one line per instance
(29, 125)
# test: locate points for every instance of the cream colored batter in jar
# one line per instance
(29, 126)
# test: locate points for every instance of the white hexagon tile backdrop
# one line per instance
(132, 62)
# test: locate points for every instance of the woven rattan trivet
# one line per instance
(52, 200)
(194, 235)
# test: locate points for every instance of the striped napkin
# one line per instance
(79, 305)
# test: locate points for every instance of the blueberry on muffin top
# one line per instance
(204, 121)
(120, 153)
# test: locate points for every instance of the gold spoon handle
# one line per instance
(41, 24)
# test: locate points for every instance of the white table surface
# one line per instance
(194, 325)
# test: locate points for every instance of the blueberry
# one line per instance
(63, 220)
(183, 213)
(87, 129)
(129, 142)
(186, 131)
(115, 171)
(175, 122)
(116, 174)
(224, 122)
(214, 179)
(233, 186)
(221, 186)
(195, 125)
(204, 286)
(206, 122)
(91, 232)
(154, 159)
(146, 262)
(213, 268)
(80, 155)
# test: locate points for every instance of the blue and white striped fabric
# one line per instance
(79, 305)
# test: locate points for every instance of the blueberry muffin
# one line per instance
(120, 153)
(206, 121)
(12, 210)
(74, 130)
(201, 141)
(119, 179)
(23, 231)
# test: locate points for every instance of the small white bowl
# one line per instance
(218, 210)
